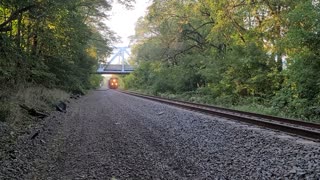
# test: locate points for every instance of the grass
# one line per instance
(40, 98)
(15, 120)
(244, 104)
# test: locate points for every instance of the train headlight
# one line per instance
(114, 80)
(111, 83)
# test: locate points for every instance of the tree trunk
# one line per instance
(18, 35)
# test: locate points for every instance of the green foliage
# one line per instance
(248, 54)
(53, 43)
(95, 80)
(300, 92)
(249, 71)
(48, 47)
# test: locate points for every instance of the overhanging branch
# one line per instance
(13, 17)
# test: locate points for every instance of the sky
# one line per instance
(122, 21)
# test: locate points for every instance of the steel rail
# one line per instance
(301, 128)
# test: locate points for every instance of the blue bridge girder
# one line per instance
(123, 68)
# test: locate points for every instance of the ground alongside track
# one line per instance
(107, 134)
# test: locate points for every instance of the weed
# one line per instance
(39, 98)
(4, 112)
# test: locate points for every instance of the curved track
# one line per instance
(305, 129)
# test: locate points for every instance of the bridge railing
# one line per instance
(115, 69)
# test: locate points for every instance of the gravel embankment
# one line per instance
(107, 135)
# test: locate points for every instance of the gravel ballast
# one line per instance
(110, 135)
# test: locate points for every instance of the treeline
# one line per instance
(258, 53)
(54, 43)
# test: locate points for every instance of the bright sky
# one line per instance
(122, 20)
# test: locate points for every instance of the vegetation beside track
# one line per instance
(16, 119)
(261, 56)
(49, 49)
(248, 105)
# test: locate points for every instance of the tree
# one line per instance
(55, 43)
(236, 49)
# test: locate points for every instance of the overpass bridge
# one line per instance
(115, 69)
(121, 68)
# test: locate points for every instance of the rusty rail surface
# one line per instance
(305, 129)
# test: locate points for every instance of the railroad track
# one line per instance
(307, 130)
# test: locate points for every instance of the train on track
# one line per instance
(113, 83)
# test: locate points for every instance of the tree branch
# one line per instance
(14, 16)
(180, 52)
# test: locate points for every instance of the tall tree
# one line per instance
(53, 42)
(234, 49)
